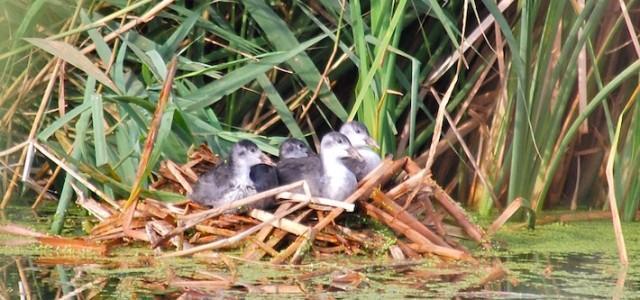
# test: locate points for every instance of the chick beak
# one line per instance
(265, 159)
(371, 142)
(353, 152)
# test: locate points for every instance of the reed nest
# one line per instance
(398, 194)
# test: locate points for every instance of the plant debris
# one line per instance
(397, 194)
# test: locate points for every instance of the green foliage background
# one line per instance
(534, 90)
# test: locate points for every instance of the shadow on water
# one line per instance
(127, 272)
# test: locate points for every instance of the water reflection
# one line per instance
(568, 275)
(31, 272)
(531, 276)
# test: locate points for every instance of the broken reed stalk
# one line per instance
(506, 214)
(252, 250)
(412, 167)
(283, 224)
(173, 169)
(407, 250)
(197, 218)
(383, 173)
(143, 165)
(398, 212)
(32, 133)
(277, 236)
(238, 237)
(458, 214)
(611, 195)
(92, 206)
(425, 245)
(13, 149)
(408, 185)
(262, 245)
(297, 197)
(73, 173)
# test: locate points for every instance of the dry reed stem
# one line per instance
(442, 108)
(75, 174)
(20, 230)
(407, 250)
(277, 237)
(132, 201)
(424, 244)
(630, 27)
(163, 99)
(411, 167)
(197, 218)
(13, 149)
(263, 234)
(613, 204)
(473, 231)
(296, 197)
(175, 171)
(450, 139)
(263, 246)
(283, 224)
(471, 95)
(32, 133)
(506, 214)
(17, 82)
(395, 210)
(232, 240)
(92, 206)
(408, 185)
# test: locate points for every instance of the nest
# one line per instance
(399, 194)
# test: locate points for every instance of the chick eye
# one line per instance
(253, 150)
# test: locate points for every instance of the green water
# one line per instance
(576, 260)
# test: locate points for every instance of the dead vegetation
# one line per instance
(398, 194)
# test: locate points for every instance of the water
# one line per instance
(555, 262)
(569, 276)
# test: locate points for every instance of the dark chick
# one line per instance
(298, 162)
(231, 180)
(264, 177)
